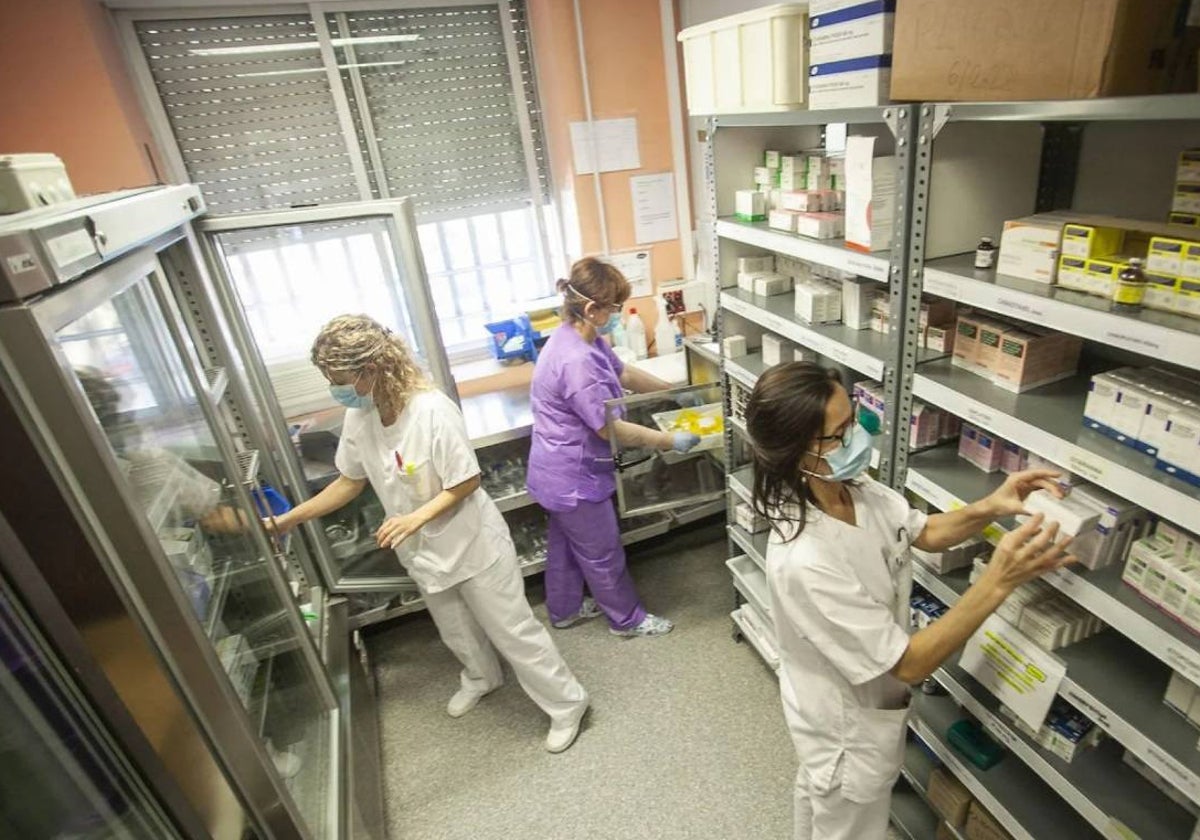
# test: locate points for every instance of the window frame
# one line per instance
(127, 13)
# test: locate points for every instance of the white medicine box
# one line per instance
(32, 180)
(749, 62)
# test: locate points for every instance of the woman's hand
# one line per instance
(1009, 498)
(279, 525)
(396, 529)
(1027, 553)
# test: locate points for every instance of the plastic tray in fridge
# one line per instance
(705, 420)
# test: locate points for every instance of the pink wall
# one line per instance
(64, 89)
(627, 77)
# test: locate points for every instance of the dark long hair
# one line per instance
(786, 412)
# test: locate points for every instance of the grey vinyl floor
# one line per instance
(685, 739)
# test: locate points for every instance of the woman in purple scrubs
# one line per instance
(571, 471)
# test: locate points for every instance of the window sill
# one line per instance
(486, 375)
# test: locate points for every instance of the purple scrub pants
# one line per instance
(585, 548)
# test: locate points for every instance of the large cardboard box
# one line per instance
(1031, 49)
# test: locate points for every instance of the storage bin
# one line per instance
(750, 62)
(32, 180)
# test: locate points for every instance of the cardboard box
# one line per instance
(1102, 277)
(1165, 256)
(854, 83)
(1090, 241)
(750, 205)
(987, 351)
(1072, 274)
(855, 32)
(856, 302)
(948, 797)
(1029, 247)
(1161, 292)
(1027, 360)
(777, 350)
(753, 265)
(948, 50)
(966, 340)
(870, 196)
(783, 220)
(940, 339)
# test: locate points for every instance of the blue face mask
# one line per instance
(348, 396)
(614, 321)
(850, 460)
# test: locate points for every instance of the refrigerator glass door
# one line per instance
(286, 274)
(135, 376)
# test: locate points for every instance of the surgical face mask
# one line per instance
(348, 396)
(614, 321)
(848, 461)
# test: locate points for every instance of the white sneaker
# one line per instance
(652, 625)
(463, 701)
(563, 733)
(589, 609)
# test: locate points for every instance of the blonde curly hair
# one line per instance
(349, 343)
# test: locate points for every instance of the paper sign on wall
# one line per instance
(635, 265)
(614, 142)
(1021, 675)
(654, 217)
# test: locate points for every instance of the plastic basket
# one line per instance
(503, 332)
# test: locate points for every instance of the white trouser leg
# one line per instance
(496, 597)
(461, 633)
(833, 817)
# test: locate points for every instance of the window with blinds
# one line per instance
(250, 106)
(422, 102)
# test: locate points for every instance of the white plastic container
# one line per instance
(635, 335)
(749, 62)
(32, 180)
(665, 332)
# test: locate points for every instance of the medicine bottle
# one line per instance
(1130, 288)
(985, 253)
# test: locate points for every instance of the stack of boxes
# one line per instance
(1184, 697)
(739, 398)
(808, 193)
(928, 425)
(1044, 615)
(1185, 202)
(1101, 525)
(850, 53)
(1057, 248)
(960, 556)
(881, 313)
(1065, 731)
(1152, 410)
(936, 324)
(748, 520)
(1164, 568)
(1014, 357)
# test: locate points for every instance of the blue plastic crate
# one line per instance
(505, 331)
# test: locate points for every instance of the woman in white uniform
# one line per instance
(840, 578)
(410, 443)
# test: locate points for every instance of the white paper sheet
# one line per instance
(654, 207)
(616, 144)
(636, 267)
(1021, 675)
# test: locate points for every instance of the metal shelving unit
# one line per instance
(1117, 677)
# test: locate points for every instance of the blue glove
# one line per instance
(689, 400)
(684, 441)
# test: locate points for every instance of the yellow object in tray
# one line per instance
(699, 421)
(706, 421)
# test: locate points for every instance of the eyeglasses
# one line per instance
(845, 436)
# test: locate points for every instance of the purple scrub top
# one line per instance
(568, 460)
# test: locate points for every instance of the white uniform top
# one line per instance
(839, 596)
(435, 452)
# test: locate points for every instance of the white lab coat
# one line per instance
(463, 561)
(840, 598)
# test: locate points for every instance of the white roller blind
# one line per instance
(250, 106)
(256, 123)
(437, 87)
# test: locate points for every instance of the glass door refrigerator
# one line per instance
(280, 275)
(137, 401)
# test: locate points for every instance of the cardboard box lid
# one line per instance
(1030, 49)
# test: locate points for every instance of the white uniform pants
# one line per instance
(833, 817)
(491, 609)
